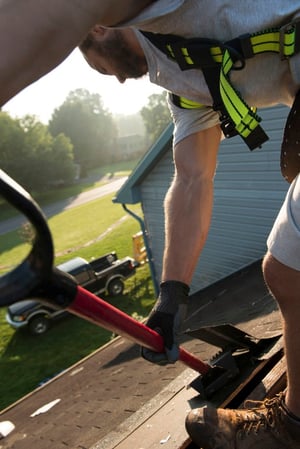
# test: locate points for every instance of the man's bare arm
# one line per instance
(37, 35)
(188, 207)
(188, 203)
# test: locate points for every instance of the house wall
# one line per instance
(249, 190)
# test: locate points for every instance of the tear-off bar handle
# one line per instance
(91, 307)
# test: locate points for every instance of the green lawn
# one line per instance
(75, 230)
(25, 361)
(101, 175)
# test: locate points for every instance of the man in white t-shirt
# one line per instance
(128, 52)
(38, 35)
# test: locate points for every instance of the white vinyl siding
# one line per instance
(249, 190)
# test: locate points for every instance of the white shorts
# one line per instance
(284, 239)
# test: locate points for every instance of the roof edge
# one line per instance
(129, 193)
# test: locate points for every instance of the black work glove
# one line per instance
(166, 318)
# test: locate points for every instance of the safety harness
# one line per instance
(217, 59)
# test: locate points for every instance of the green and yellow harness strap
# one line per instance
(217, 59)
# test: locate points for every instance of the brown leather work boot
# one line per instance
(265, 426)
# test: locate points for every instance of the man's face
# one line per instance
(117, 54)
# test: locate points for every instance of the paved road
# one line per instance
(55, 208)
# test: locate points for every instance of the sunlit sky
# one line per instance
(48, 93)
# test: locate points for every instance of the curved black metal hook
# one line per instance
(37, 266)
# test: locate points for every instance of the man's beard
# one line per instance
(127, 63)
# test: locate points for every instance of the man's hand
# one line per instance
(166, 318)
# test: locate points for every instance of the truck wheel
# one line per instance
(39, 325)
(115, 287)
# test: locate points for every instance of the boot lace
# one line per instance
(262, 415)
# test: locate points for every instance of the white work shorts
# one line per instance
(284, 239)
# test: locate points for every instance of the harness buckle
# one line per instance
(293, 26)
(242, 46)
(227, 126)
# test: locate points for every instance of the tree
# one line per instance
(30, 154)
(11, 146)
(49, 159)
(156, 115)
(62, 156)
(89, 126)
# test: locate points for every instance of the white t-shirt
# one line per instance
(265, 81)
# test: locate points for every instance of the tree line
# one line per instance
(81, 134)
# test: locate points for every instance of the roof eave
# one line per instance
(130, 192)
